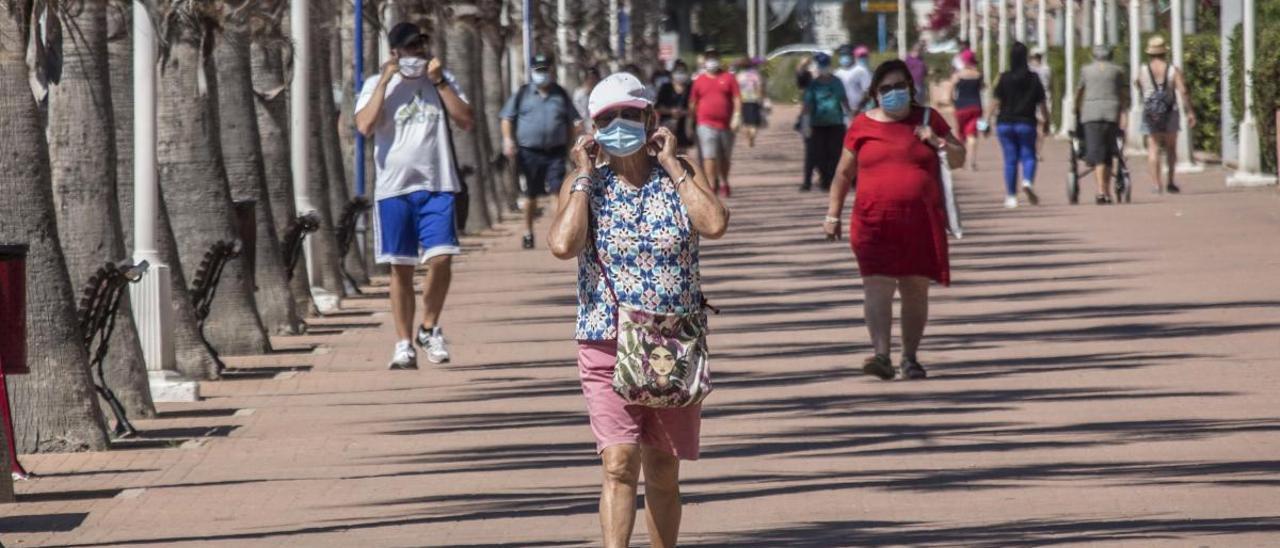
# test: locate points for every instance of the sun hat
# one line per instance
(618, 90)
(1156, 46)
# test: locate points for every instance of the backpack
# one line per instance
(1159, 107)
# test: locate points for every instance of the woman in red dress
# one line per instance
(898, 225)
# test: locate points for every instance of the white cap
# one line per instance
(618, 90)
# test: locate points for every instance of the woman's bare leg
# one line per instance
(1154, 141)
(971, 151)
(878, 309)
(621, 464)
(1171, 155)
(915, 312)
(661, 497)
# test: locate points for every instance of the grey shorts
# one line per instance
(1174, 124)
(715, 143)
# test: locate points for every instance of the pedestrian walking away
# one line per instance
(919, 72)
(966, 95)
(717, 106)
(1163, 92)
(805, 73)
(855, 73)
(958, 60)
(634, 225)
(405, 110)
(673, 105)
(1017, 110)
(1102, 102)
(751, 86)
(822, 120)
(538, 123)
(897, 228)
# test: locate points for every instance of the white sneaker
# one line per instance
(435, 345)
(1030, 191)
(404, 357)
(1010, 202)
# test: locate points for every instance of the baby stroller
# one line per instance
(1120, 175)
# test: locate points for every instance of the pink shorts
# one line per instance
(673, 431)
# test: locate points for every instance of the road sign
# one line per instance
(879, 6)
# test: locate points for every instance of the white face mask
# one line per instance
(413, 67)
(712, 65)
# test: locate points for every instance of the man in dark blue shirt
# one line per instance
(538, 123)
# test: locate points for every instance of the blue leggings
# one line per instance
(1019, 143)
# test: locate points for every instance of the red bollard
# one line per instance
(13, 335)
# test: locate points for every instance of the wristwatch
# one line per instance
(582, 183)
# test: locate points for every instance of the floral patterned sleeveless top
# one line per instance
(644, 238)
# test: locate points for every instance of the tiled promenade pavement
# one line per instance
(1100, 375)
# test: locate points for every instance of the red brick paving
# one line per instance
(1100, 375)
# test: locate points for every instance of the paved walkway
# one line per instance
(1100, 375)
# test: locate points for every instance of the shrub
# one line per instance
(1202, 65)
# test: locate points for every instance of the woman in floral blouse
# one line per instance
(634, 224)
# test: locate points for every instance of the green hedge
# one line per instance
(1202, 66)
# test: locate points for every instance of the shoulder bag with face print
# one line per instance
(662, 358)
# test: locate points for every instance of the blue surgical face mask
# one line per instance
(846, 61)
(895, 101)
(622, 137)
(540, 78)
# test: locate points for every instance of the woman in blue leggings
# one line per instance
(1018, 95)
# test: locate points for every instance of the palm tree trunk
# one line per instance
(324, 243)
(502, 182)
(272, 107)
(192, 358)
(242, 155)
(56, 406)
(194, 187)
(462, 48)
(82, 155)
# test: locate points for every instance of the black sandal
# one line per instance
(1102, 199)
(879, 366)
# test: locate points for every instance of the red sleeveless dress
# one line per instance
(899, 219)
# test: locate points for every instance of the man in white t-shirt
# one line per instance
(404, 111)
(855, 73)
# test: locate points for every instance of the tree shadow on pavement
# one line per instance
(1044, 532)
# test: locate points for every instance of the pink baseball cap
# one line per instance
(861, 51)
(618, 90)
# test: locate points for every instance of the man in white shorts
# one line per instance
(404, 111)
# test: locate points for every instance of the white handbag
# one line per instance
(948, 190)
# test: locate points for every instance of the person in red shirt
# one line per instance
(898, 221)
(717, 106)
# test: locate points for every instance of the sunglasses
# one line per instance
(633, 114)
(886, 88)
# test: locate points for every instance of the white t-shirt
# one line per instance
(411, 141)
(856, 80)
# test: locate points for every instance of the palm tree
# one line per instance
(192, 357)
(242, 155)
(324, 244)
(58, 410)
(82, 154)
(272, 108)
(193, 179)
(460, 26)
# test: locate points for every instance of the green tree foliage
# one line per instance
(1202, 65)
(1266, 78)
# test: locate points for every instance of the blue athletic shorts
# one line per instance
(414, 227)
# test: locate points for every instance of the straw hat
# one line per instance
(1156, 46)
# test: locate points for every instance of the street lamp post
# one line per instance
(1249, 171)
(1020, 21)
(1186, 162)
(964, 19)
(1042, 26)
(152, 296)
(1068, 94)
(1133, 134)
(1003, 33)
(902, 29)
(985, 6)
